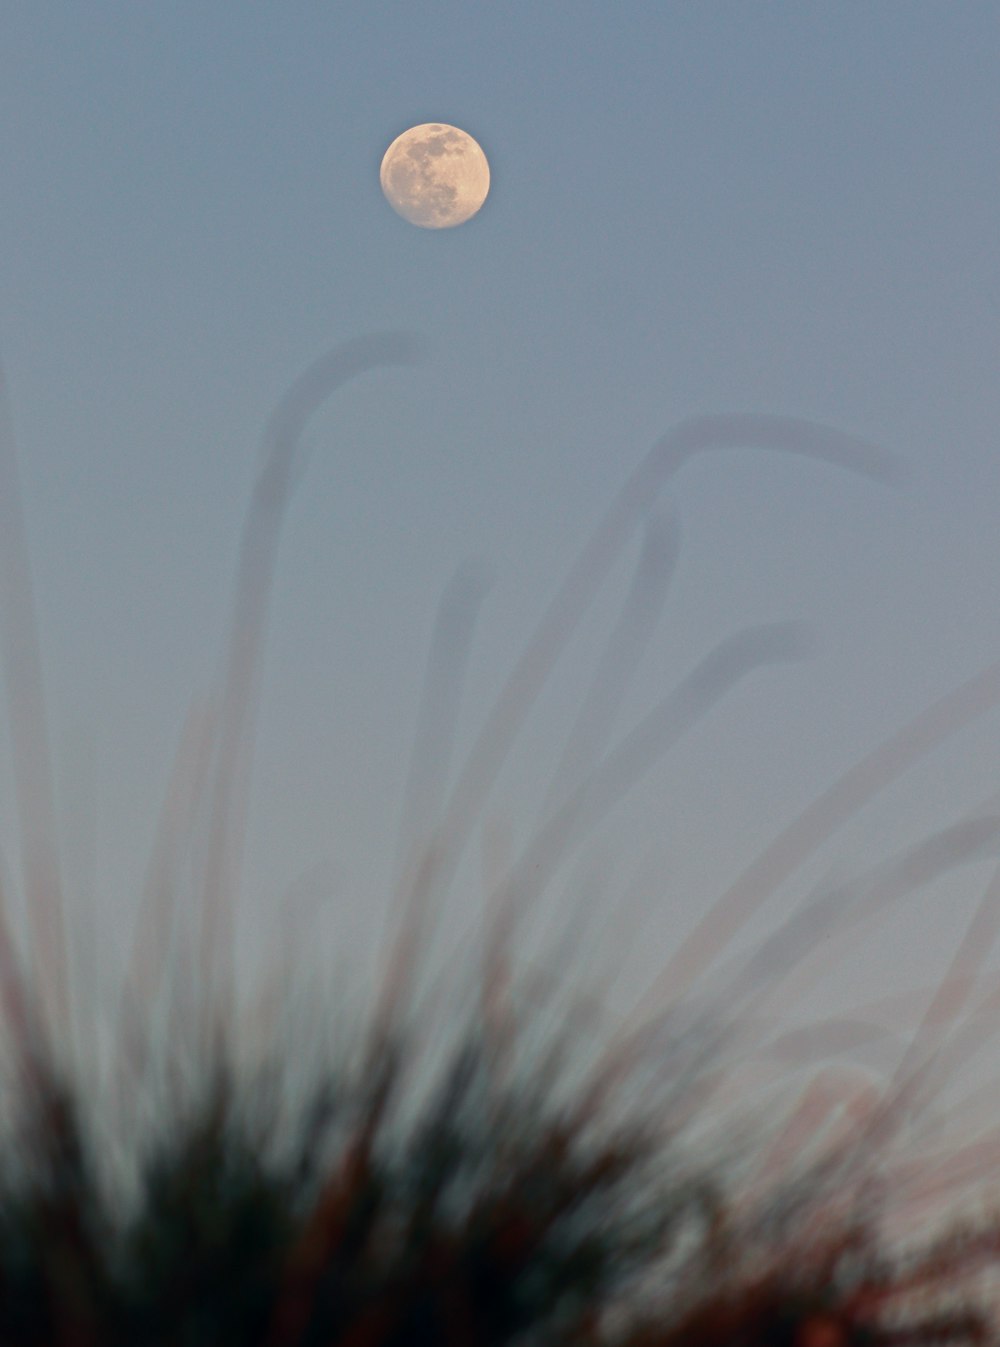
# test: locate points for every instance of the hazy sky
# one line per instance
(696, 208)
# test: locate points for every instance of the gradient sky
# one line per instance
(696, 208)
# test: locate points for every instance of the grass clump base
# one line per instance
(496, 1202)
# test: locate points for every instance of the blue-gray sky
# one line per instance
(695, 208)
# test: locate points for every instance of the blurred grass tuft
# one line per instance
(502, 1177)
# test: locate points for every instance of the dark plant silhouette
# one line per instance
(503, 1175)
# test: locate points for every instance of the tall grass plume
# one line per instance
(511, 1167)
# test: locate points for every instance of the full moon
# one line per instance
(435, 176)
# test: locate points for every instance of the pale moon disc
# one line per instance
(435, 176)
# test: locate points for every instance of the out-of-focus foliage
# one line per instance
(500, 1208)
(490, 1189)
